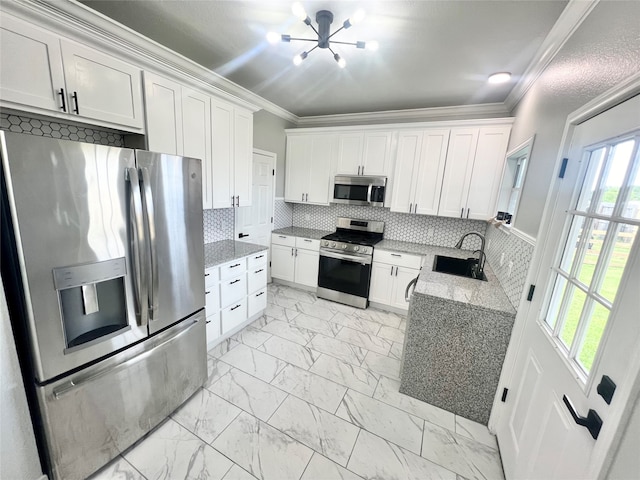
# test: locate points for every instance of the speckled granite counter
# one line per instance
(457, 334)
(217, 253)
(303, 232)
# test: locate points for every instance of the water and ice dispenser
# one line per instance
(93, 301)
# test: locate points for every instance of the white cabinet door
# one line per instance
(430, 172)
(306, 267)
(212, 329)
(282, 262)
(487, 172)
(101, 87)
(404, 179)
(234, 315)
(30, 66)
(297, 167)
(233, 290)
(401, 279)
(196, 135)
(350, 147)
(164, 114)
(242, 156)
(381, 283)
(257, 278)
(376, 159)
(457, 172)
(319, 169)
(222, 120)
(257, 302)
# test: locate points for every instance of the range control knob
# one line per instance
(333, 244)
(325, 243)
(356, 248)
(344, 247)
(365, 250)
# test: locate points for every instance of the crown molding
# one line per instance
(408, 115)
(570, 19)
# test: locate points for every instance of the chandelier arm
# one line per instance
(343, 43)
(312, 49)
(314, 29)
(338, 30)
(306, 39)
(331, 50)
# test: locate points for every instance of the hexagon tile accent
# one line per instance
(282, 214)
(56, 129)
(218, 224)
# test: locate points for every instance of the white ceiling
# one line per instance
(433, 53)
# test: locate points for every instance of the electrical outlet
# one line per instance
(430, 232)
(509, 268)
(502, 259)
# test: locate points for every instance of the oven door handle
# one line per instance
(351, 258)
(369, 193)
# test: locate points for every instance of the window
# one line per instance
(601, 231)
(515, 169)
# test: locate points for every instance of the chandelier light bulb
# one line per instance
(273, 37)
(357, 17)
(500, 77)
(298, 10)
(297, 60)
(371, 45)
(341, 61)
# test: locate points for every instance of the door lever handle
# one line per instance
(592, 421)
(242, 235)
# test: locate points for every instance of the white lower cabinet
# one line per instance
(390, 275)
(295, 259)
(235, 294)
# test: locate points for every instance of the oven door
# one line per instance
(348, 274)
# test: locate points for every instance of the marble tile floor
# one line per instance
(309, 391)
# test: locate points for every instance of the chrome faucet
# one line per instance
(478, 269)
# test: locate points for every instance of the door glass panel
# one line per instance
(572, 244)
(616, 261)
(631, 207)
(595, 328)
(614, 176)
(556, 300)
(594, 239)
(596, 160)
(574, 308)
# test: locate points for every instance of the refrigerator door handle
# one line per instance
(137, 242)
(147, 202)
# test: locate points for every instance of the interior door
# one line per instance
(582, 324)
(253, 223)
(176, 188)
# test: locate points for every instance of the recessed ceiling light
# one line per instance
(501, 77)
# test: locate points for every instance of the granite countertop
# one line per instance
(404, 247)
(217, 253)
(488, 295)
(302, 232)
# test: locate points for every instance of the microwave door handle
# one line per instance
(369, 192)
(137, 242)
(149, 210)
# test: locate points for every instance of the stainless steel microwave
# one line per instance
(359, 190)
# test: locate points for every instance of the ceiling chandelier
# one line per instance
(324, 18)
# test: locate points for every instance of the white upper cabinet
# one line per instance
(471, 179)
(309, 162)
(46, 74)
(232, 146)
(420, 162)
(364, 153)
(30, 66)
(163, 102)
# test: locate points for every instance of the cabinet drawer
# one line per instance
(233, 290)
(234, 315)
(212, 299)
(257, 260)
(213, 327)
(233, 269)
(257, 278)
(308, 244)
(211, 276)
(257, 302)
(398, 259)
(285, 240)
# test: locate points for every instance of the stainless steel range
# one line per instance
(345, 261)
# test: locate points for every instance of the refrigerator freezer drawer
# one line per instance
(92, 416)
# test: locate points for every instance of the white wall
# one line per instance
(626, 463)
(601, 53)
(18, 454)
(268, 134)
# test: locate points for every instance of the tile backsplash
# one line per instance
(56, 129)
(218, 224)
(405, 227)
(282, 214)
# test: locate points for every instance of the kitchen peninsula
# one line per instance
(457, 334)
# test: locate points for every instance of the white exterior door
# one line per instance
(253, 223)
(582, 323)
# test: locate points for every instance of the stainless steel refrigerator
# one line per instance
(102, 263)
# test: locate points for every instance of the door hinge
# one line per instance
(505, 391)
(271, 219)
(563, 167)
(532, 288)
(273, 171)
(269, 263)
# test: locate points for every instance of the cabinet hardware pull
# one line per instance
(303, 197)
(396, 271)
(281, 236)
(207, 274)
(258, 271)
(259, 256)
(468, 212)
(64, 103)
(75, 99)
(362, 170)
(234, 266)
(296, 252)
(292, 252)
(410, 207)
(235, 281)
(261, 293)
(306, 197)
(396, 255)
(208, 321)
(461, 212)
(233, 201)
(415, 208)
(238, 200)
(237, 306)
(307, 240)
(207, 293)
(391, 271)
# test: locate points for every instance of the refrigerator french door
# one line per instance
(102, 260)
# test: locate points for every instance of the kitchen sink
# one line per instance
(462, 267)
